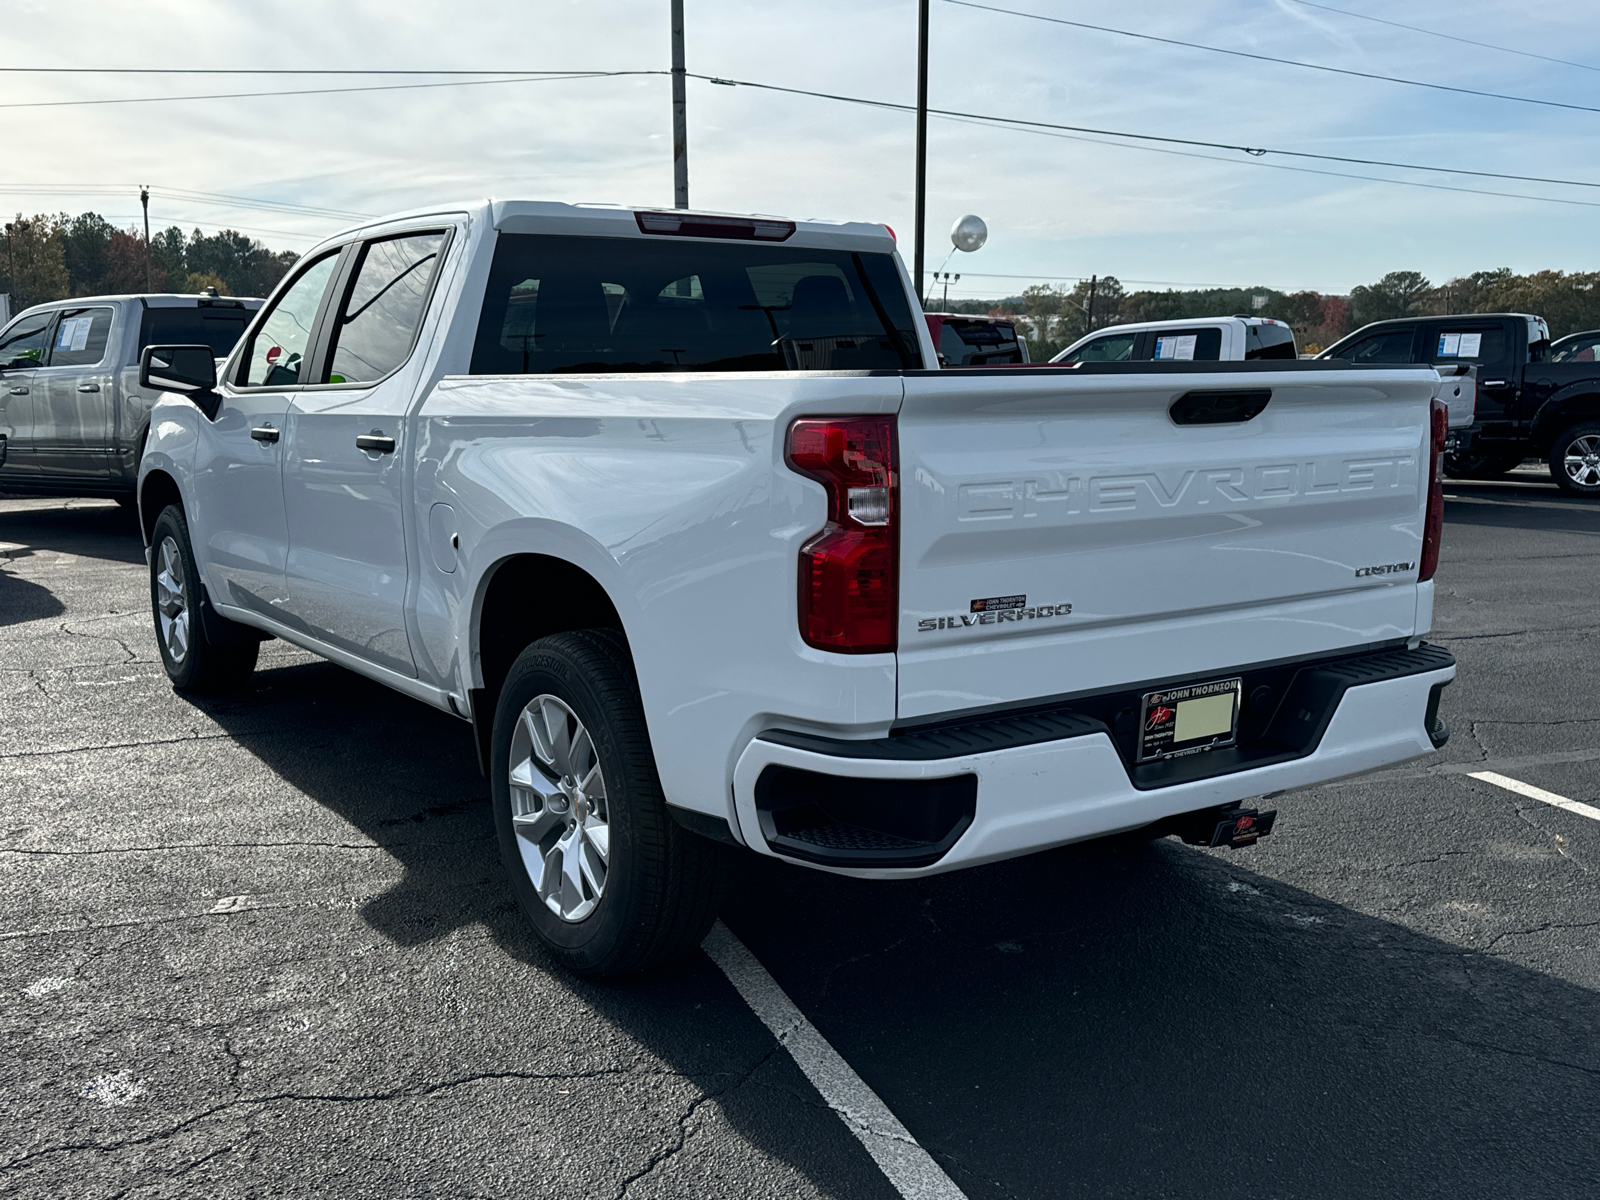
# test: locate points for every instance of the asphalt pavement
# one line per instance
(262, 946)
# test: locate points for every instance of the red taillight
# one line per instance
(1433, 524)
(849, 598)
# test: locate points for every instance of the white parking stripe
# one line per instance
(899, 1155)
(1534, 793)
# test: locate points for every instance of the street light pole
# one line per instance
(680, 118)
(922, 143)
(144, 200)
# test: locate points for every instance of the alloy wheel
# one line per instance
(172, 600)
(559, 810)
(1582, 460)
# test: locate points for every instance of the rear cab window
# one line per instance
(1269, 341)
(557, 304)
(219, 327)
(978, 343)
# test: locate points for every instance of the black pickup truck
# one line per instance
(1528, 405)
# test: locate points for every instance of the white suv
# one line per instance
(1201, 339)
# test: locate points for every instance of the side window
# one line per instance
(277, 351)
(1390, 346)
(377, 325)
(1578, 350)
(1487, 343)
(1199, 345)
(1115, 347)
(22, 345)
(80, 338)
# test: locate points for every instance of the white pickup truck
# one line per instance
(679, 511)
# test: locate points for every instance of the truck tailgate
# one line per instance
(1063, 533)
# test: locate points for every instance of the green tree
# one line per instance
(1397, 294)
(36, 259)
(169, 253)
(85, 241)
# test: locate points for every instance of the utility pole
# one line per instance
(922, 143)
(680, 116)
(144, 200)
(1094, 281)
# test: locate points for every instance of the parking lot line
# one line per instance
(900, 1156)
(1535, 793)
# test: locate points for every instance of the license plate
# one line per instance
(1189, 719)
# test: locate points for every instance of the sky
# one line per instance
(1059, 208)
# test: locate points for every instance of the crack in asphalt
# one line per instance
(103, 637)
(1545, 927)
(252, 846)
(667, 1153)
(400, 1093)
(194, 737)
(1582, 630)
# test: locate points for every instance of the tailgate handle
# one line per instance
(1219, 408)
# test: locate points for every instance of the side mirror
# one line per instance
(186, 369)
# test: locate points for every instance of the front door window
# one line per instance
(278, 349)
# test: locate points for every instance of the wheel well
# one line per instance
(529, 597)
(1557, 417)
(159, 490)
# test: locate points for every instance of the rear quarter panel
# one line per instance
(672, 492)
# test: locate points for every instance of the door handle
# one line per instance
(265, 434)
(19, 391)
(375, 441)
(88, 387)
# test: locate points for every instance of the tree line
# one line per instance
(55, 257)
(1056, 317)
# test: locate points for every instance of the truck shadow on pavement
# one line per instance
(22, 599)
(1122, 1018)
(1546, 510)
(86, 528)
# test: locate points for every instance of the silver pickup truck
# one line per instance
(72, 415)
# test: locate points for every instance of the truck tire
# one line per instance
(1480, 466)
(1575, 459)
(611, 883)
(194, 661)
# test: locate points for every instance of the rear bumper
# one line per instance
(1048, 779)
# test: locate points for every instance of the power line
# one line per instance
(1049, 126)
(179, 221)
(1416, 183)
(393, 87)
(1449, 37)
(276, 71)
(542, 77)
(1287, 62)
(185, 194)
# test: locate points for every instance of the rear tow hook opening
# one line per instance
(1230, 825)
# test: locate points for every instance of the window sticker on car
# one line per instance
(1177, 347)
(1460, 345)
(73, 333)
